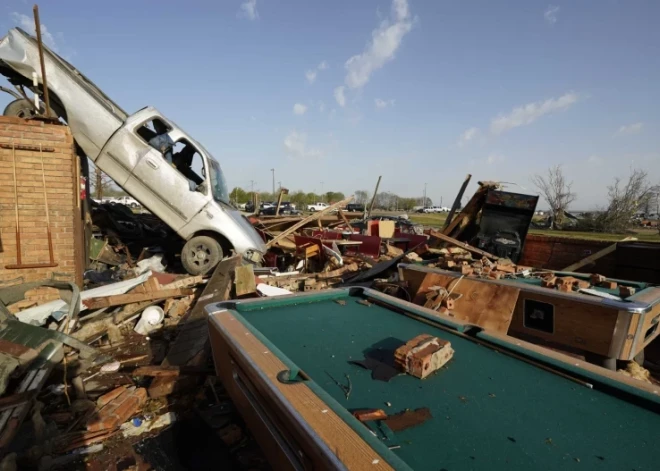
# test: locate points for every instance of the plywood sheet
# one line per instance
(487, 305)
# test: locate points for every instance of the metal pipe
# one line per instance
(37, 25)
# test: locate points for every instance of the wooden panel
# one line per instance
(414, 278)
(336, 434)
(583, 326)
(487, 305)
(245, 283)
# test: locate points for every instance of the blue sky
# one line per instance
(417, 91)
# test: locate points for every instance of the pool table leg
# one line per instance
(600, 360)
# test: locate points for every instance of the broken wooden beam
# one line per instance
(307, 220)
(121, 299)
(593, 257)
(463, 245)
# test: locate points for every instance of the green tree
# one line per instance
(239, 196)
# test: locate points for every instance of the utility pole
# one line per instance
(279, 186)
(322, 195)
(273, 170)
(424, 203)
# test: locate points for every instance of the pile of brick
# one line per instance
(461, 260)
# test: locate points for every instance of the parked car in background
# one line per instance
(286, 208)
(317, 207)
(355, 208)
(127, 201)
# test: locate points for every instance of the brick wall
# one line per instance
(555, 253)
(62, 189)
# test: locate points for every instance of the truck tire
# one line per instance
(21, 108)
(201, 254)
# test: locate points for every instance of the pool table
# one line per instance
(499, 404)
(603, 330)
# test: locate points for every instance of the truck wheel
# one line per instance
(21, 108)
(200, 255)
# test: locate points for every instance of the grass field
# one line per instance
(649, 235)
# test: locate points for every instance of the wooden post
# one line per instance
(283, 191)
(373, 199)
(457, 201)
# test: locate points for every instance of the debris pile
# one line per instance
(100, 374)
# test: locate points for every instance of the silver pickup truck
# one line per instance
(145, 153)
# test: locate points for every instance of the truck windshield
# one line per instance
(218, 183)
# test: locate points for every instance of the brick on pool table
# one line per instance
(423, 355)
(608, 284)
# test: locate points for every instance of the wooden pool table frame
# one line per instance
(603, 330)
(298, 428)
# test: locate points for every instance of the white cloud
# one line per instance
(299, 109)
(248, 9)
(27, 23)
(310, 75)
(494, 159)
(527, 114)
(550, 14)
(380, 103)
(467, 136)
(385, 40)
(339, 96)
(629, 129)
(295, 145)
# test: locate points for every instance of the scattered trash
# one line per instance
(151, 320)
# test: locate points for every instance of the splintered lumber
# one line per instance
(121, 299)
(593, 257)
(464, 246)
(471, 210)
(307, 220)
(245, 283)
(457, 201)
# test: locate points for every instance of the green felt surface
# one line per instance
(490, 411)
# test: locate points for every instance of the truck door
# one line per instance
(162, 180)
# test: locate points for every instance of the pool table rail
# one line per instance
(306, 431)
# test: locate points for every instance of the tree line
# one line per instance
(384, 200)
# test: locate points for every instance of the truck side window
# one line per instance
(154, 132)
(189, 162)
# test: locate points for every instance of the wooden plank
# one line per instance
(338, 437)
(121, 299)
(343, 216)
(457, 201)
(593, 257)
(458, 243)
(307, 220)
(188, 282)
(244, 280)
(171, 371)
(470, 211)
(487, 305)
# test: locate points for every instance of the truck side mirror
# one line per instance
(201, 188)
